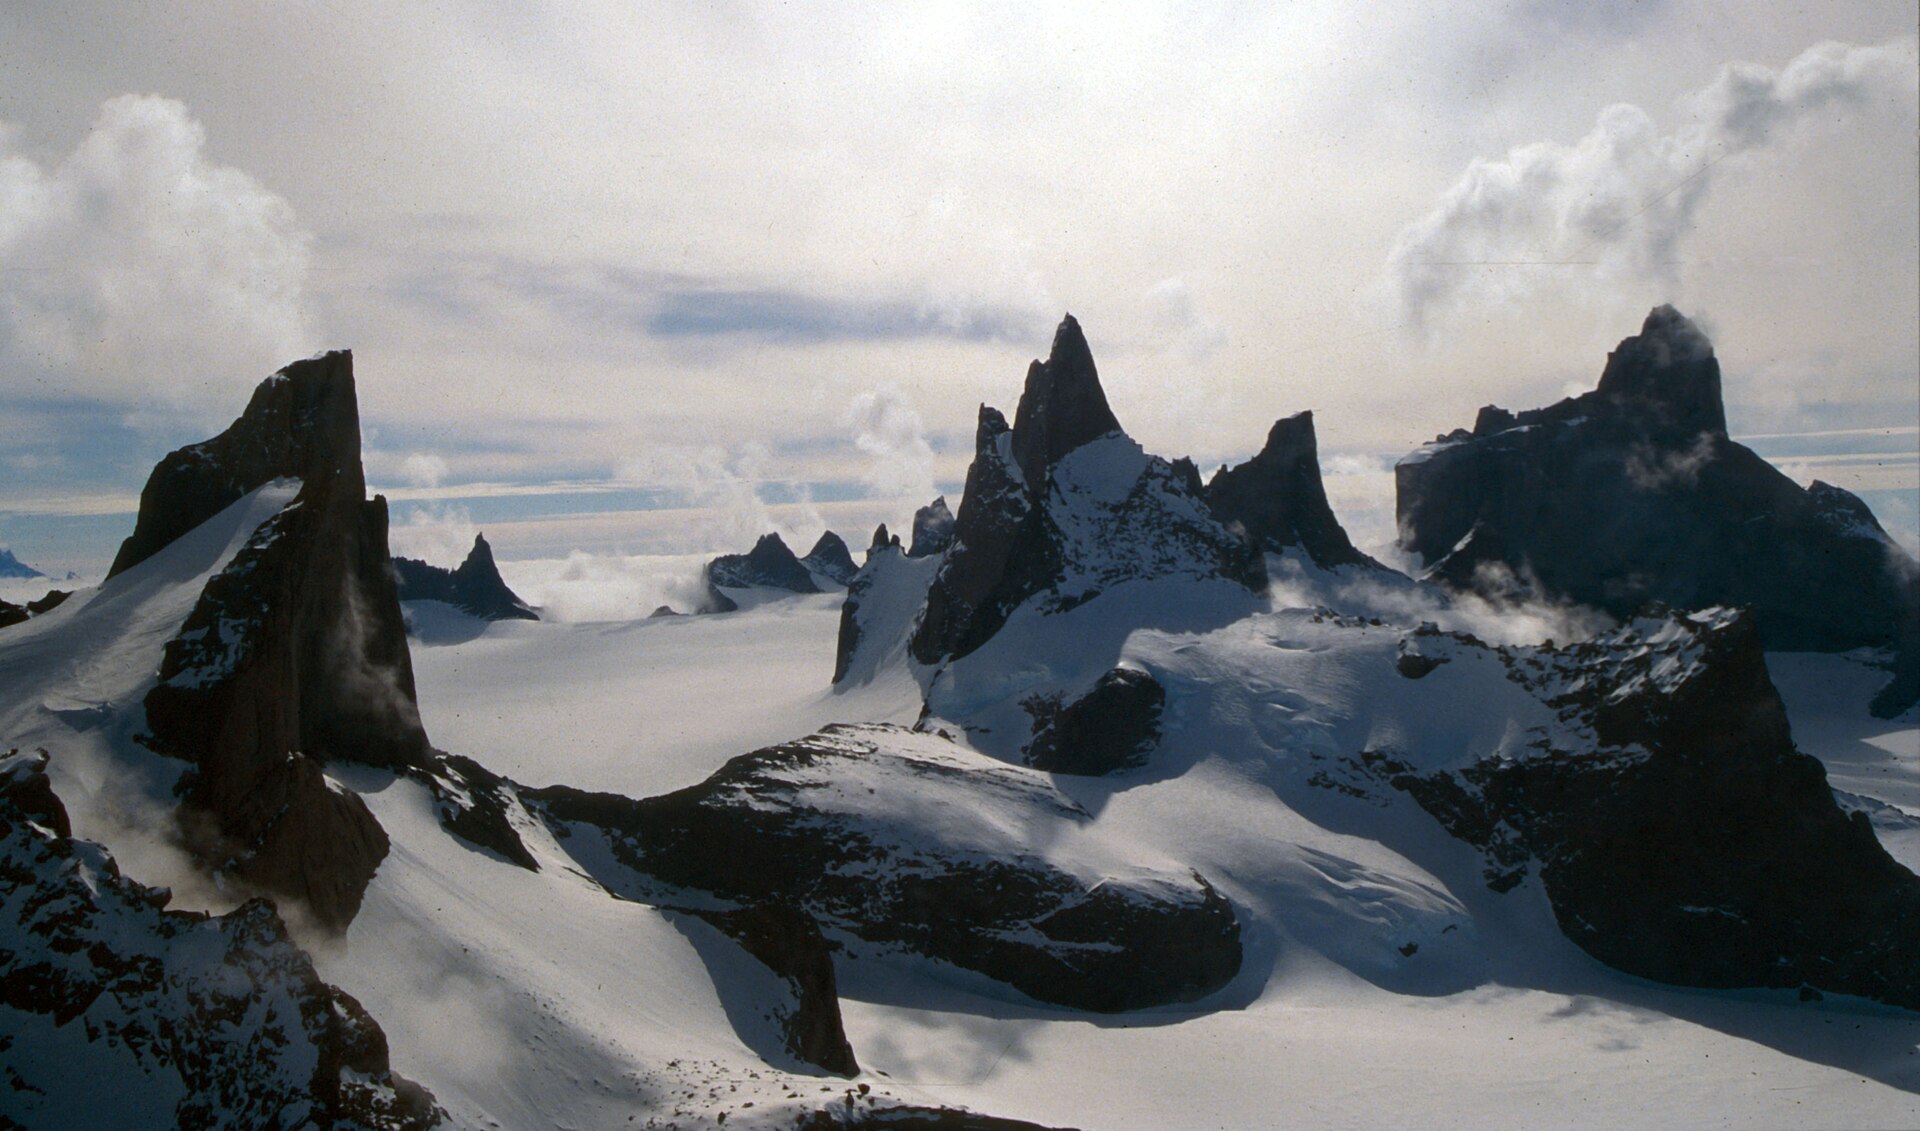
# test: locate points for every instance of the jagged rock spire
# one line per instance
(1278, 497)
(1062, 406)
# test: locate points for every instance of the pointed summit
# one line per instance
(932, 529)
(1062, 407)
(1669, 367)
(769, 565)
(1279, 499)
(831, 559)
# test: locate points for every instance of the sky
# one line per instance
(653, 279)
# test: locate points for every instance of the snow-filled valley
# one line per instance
(1496, 1020)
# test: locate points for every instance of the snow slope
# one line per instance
(1384, 984)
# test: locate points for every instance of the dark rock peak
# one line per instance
(1635, 493)
(475, 586)
(1278, 497)
(293, 656)
(1062, 406)
(1669, 366)
(882, 539)
(831, 559)
(12, 614)
(932, 529)
(11, 566)
(769, 565)
(661, 612)
(303, 422)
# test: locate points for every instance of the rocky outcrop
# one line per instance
(881, 540)
(836, 826)
(769, 565)
(932, 529)
(789, 943)
(1063, 506)
(1278, 498)
(1690, 842)
(475, 587)
(12, 567)
(295, 654)
(831, 559)
(119, 1013)
(1113, 727)
(1634, 492)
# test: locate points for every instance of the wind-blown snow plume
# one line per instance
(889, 431)
(439, 534)
(1620, 202)
(135, 264)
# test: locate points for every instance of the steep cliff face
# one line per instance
(1278, 498)
(118, 1013)
(1634, 493)
(932, 529)
(1687, 841)
(294, 656)
(475, 586)
(1063, 506)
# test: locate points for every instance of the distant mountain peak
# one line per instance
(1668, 365)
(11, 566)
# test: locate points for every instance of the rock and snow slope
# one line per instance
(1403, 831)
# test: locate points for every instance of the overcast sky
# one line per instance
(632, 277)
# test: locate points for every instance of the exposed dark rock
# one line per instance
(1113, 727)
(767, 827)
(831, 559)
(475, 587)
(11, 566)
(226, 1009)
(48, 603)
(295, 655)
(881, 539)
(12, 614)
(1691, 843)
(298, 425)
(1278, 498)
(788, 942)
(478, 806)
(715, 601)
(769, 565)
(1634, 492)
(910, 1117)
(664, 611)
(1062, 407)
(932, 529)
(1034, 523)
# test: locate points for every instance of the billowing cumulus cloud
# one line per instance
(136, 265)
(1620, 202)
(889, 431)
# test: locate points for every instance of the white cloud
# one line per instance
(1620, 203)
(889, 431)
(139, 269)
(423, 470)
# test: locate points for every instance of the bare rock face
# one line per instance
(475, 586)
(165, 1018)
(788, 942)
(835, 825)
(932, 529)
(1690, 842)
(11, 566)
(831, 559)
(769, 565)
(294, 656)
(1113, 727)
(1634, 493)
(1278, 498)
(1063, 506)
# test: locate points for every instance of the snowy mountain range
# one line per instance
(1118, 798)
